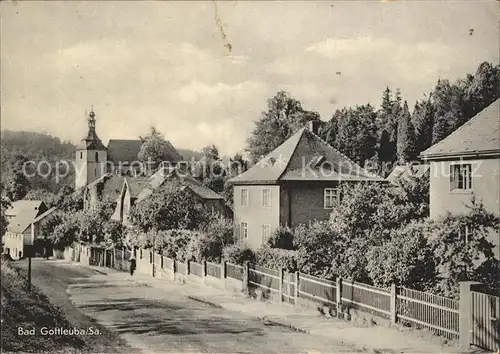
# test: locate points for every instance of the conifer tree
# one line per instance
(406, 136)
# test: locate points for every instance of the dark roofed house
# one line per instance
(296, 183)
(135, 190)
(467, 164)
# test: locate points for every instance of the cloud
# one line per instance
(342, 47)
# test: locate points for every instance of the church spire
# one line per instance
(92, 135)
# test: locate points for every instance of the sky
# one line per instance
(201, 72)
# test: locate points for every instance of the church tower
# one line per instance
(91, 156)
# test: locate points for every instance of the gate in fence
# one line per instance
(486, 321)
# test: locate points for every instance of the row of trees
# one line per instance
(391, 133)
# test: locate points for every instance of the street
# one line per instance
(132, 316)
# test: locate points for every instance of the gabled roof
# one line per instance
(44, 215)
(19, 205)
(135, 185)
(304, 157)
(108, 185)
(126, 151)
(165, 176)
(480, 136)
(23, 213)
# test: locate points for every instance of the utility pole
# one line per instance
(154, 247)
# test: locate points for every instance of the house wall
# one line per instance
(485, 187)
(307, 204)
(14, 242)
(255, 215)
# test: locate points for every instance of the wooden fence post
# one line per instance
(224, 271)
(296, 290)
(174, 267)
(338, 294)
(114, 257)
(188, 270)
(281, 286)
(204, 269)
(465, 316)
(394, 314)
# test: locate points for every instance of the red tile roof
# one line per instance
(480, 136)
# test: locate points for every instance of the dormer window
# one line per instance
(96, 157)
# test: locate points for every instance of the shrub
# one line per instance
(175, 243)
(282, 237)
(276, 258)
(459, 258)
(406, 259)
(316, 246)
(238, 254)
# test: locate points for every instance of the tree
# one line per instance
(284, 117)
(406, 149)
(386, 126)
(423, 121)
(41, 194)
(210, 170)
(16, 183)
(356, 135)
(155, 149)
(237, 165)
(66, 232)
(448, 109)
(4, 222)
(169, 207)
(482, 89)
(69, 200)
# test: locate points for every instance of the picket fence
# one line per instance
(339, 296)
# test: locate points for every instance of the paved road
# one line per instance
(162, 321)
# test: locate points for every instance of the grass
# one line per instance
(26, 309)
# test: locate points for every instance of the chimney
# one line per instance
(314, 125)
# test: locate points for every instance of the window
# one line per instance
(95, 172)
(244, 196)
(266, 197)
(465, 233)
(461, 177)
(244, 230)
(330, 197)
(96, 157)
(265, 232)
(81, 155)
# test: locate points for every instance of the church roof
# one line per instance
(479, 136)
(304, 157)
(127, 150)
